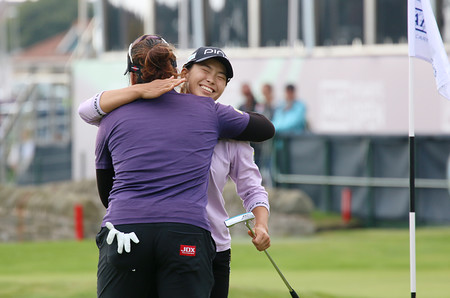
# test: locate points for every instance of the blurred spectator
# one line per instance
(250, 103)
(266, 107)
(290, 117)
(21, 155)
(265, 148)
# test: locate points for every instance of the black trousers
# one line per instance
(221, 271)
(170, 260)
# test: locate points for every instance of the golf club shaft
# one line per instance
(291, 290)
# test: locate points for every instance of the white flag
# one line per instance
(425, 42)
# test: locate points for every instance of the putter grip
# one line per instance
(250, 229)
(293, 294)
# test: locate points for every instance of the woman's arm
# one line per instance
(93, 109)
(245, 174)
(89, 110)
(259, 129)
(261, 228)
(113, 99)
(105, 179)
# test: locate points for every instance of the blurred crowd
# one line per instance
(288, 115)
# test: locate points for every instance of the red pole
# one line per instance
(346, 204)
(78, 221)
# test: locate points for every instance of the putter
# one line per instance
(245, 218)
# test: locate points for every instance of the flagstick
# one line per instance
(412, 211)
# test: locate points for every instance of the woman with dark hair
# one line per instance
(152, 160)
(230, 159)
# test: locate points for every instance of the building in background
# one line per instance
(36, 113)
(348, 59)
(349, 62)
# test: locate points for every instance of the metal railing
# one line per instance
(359, 181)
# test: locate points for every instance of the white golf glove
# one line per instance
(123, 239)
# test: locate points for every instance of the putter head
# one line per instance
(239, 218)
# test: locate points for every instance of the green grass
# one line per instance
(348, 263)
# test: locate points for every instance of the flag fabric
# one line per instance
(425, 42)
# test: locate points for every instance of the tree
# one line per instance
(42, 19)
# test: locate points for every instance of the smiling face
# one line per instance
(207, 78)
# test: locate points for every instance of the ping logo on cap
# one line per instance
(214, 51)
(187, 250)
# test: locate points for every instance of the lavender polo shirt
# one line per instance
(232, 160)
(161, 151)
